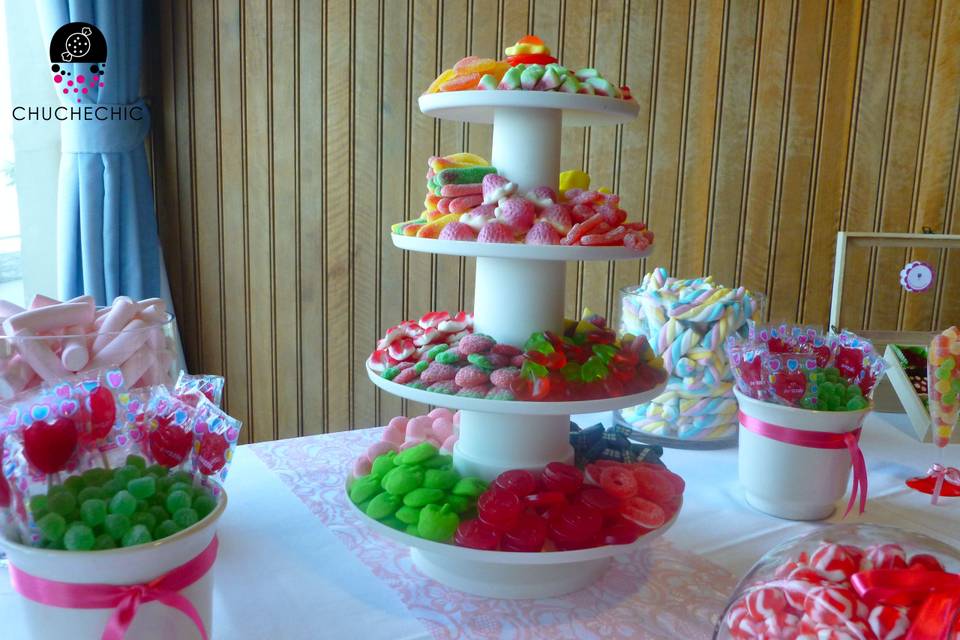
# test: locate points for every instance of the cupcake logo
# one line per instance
(78, 58)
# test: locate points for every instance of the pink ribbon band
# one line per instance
(818, 440)
(123, 599)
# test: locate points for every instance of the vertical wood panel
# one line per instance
(287, 140)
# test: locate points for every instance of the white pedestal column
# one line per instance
(491, 443)
(514, 298)
(526, 145)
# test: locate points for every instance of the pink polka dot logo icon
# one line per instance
(78, 57)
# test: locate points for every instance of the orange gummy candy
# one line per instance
(461, 83)
(433, 229)
(412, 229)
(473, 64)
(528, 39)
(447, 75)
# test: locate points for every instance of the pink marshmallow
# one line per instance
(119, 316)
(410, 443)
(121, 347)
(159, 303)
(379, 448)
(440, 412)
(74, 354)
(137, 365)
(456, 419)
(40, 357)
(448, 444)
(419, 427)
(153, 314)
(83, 299)
(442, 428)
(398, 423)
(45, 319)
(394, 435)
(361, 467)
(8, 309)
(434, 441)
(39, 301)
(15, 376)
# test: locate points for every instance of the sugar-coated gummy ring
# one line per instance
(618, 482)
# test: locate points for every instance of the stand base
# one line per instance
(510, 581)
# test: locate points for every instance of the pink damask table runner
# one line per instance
(657, 592)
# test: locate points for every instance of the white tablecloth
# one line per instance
(282, 574)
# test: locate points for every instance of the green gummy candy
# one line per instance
(186, 487)
(438, 461)
(481, 361)
(38, 504)
(126, 474)
(408, 515)
(79, 537)
(159, 513)
(383, 505)
(416, 454)
(538, 342)
(183, 476)
(116, 525)
(390, 373)
(437, 522)
(136, 535)
(157, 470)
(394, 523)
(460, 504)
(165, 529)
(440, 479)
(530, 369)
(605, 352)
(74, 484)
(145, 518)
(62, 502)
(593, 369)
(417, 384)
(465, 175)
(448, 357)
(52, 526)
(204, 505)
(111, 487)
(856, 403)
(123, 503)
(142, 488)
(96, 476)
(422, 497)
(412, 530)
(421, 366)
(383, 464)
(136, 461)
(402, 480)
(93, 512)
(177, 500)
(90, 493)
(470, 487)
(364, 488)
(104, 542)
(186, 518)
(433, 352)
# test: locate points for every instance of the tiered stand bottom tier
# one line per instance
(519, 290)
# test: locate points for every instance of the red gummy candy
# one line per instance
(49, 446)
(598, 499)
(621, 532)
(476, 535)
(528, 535)
(103, 413)
(925, 562)
(618, 482)
(518, 481)
(545, 499)
(644, 513)
(169, 444)
(539, 388)
(575, 523)
(561, 477)
(499, 509)
(212, 455)
(531, 58)
(653, 485)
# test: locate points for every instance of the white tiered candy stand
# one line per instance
(519, 290)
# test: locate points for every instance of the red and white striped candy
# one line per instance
(831, 605)
(834, 562)
(781, 625)
(884, 556)
(432, 319)
(402, 349)
(765, 602)
(786, 569)
(735, 614)
(392, 334)
(851, 631)
(924, 561)
(855, 552)
(379, 360)
(799, 583)
(457, 323)
(806, 629)
(889, 623)
(411, 329)
(747, 629)
(429, 336)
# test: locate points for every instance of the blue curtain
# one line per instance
(107, 242)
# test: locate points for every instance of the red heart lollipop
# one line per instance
(169, 443)
(49, 446)
(790, 385)
(213, 453)
(849, 362)
(103, 414)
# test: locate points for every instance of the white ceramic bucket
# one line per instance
(134, 565)
(791, 481)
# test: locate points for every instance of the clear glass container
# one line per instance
(812, 587)
(686, 322)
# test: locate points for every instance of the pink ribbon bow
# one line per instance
(942, 474)
(819, 440)
(123, 599)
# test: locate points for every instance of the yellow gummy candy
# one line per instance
(447, 75)
(574, 179)
(457, 161)
(433, 229)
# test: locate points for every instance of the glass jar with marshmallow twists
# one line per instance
(848, 582)
(686, 322)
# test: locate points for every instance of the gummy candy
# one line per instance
(437, 522)
(402, 480)
(422, 497)
(383, 505)
(136, 535)
(78, 537)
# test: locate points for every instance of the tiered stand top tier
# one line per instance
(519, 290)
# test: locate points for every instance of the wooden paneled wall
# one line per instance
(286, 140)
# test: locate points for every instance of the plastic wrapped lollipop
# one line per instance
(209, 385)
(215, 439)
(943, 391)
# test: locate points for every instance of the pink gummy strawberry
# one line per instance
(542, 196)
(457, 231)
(102, 414)
(517, 213)
(495, 187)
(49, 446)
(495, 232)
(169, 444)
(559, 217)
(542, 233)
(213, 453)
